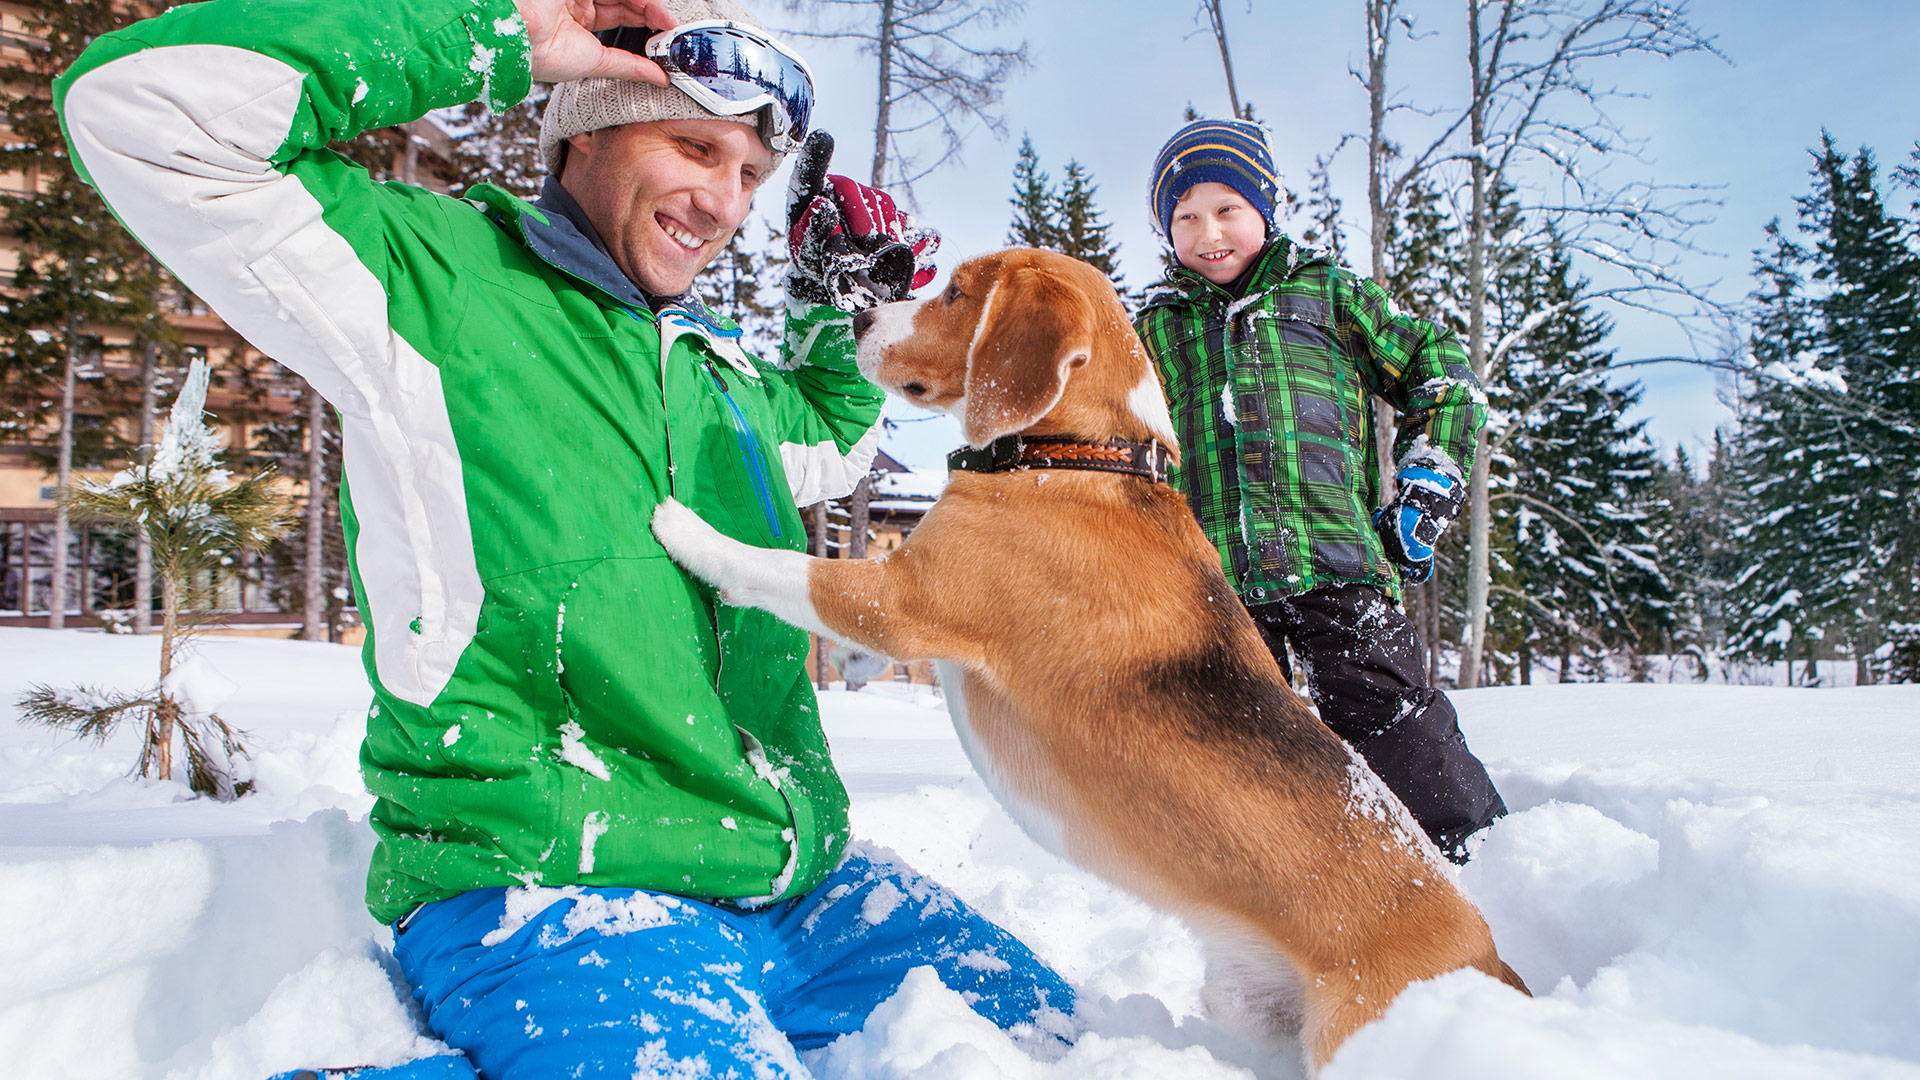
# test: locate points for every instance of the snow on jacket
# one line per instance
(1270, 394)
(554, 702)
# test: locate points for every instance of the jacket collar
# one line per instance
(556, 229)
(1281, 259)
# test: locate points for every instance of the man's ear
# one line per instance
(1035, 329)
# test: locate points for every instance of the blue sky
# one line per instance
(1109, 81)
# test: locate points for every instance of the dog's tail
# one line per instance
(1498, 968)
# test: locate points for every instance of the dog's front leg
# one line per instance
(868, 602)
(747, 576)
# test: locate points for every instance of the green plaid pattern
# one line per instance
(1270, 396)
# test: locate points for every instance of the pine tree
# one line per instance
(1692, 532)
(1830, 433)
(1081, 230)
(76, 264)
(1577, 575)
(196, 517)
(285, 443)
(503, 148)
(1034, 202)
(1323, 229)
(744, 284)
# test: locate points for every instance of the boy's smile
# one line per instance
(1216, 233)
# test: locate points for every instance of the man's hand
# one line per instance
(564, 48)
(851, 247)
(1411, 524)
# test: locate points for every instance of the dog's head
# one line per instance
(1020, 340)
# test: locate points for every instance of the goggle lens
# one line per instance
(738, 68)
(727, 65)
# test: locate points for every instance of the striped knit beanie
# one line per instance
(1230, 152)
(591, 104)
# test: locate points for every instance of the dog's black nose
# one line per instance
(861, 321)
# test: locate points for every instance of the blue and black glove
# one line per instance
(1411, 524)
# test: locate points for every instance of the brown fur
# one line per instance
(1113, 681)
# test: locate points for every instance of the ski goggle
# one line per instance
(730, 69)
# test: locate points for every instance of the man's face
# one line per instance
(1216, 232)
(666, 195)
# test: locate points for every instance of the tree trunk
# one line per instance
(1480, 514)
(314, 589)
(857, 502)
(1430, 599)
(142, 545)
(63, 479)
(883, 107)
(817, 516)
(1220, 36)
(1379, 12)
(858, 518)
(161, 736)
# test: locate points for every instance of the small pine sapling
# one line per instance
(195, 515)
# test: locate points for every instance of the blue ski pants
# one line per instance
(601, 982)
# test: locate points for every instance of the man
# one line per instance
(610, 836)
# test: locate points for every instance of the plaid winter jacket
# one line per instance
(1270, 395)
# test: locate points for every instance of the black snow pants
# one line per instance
(1366, 675)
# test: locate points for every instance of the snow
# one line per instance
(187, 444)
(198, 686)
(1697, 881)
(911, 484)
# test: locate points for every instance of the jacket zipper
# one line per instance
(750, 449)
(749, 442)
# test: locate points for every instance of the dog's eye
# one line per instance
(953, 292)
(915, 389)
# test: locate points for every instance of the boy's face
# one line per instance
(1216, 233)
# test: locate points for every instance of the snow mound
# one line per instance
(1697, 882)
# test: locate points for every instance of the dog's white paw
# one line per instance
(746, 576)
(697, 546)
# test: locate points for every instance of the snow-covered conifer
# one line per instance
(1829, 448)
(195, 515)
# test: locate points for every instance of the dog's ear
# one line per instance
(1036, 328)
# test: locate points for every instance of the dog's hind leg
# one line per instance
(1251, 985)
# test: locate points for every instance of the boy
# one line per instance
(1270, 356)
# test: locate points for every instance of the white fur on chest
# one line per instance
(1018, 779)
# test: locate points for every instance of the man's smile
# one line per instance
(678, 234)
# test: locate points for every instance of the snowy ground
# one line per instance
(1697, 881)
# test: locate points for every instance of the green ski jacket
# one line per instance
(1271, 397)
(554, 701)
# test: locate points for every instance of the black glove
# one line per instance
(851, 247)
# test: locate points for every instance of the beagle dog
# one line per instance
(1103, 677)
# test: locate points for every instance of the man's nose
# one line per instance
(726, 200)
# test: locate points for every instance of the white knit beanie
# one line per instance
(591, 104)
